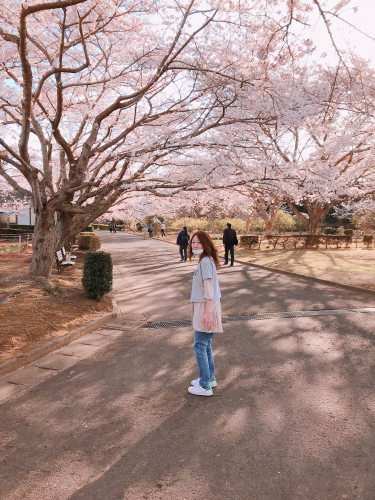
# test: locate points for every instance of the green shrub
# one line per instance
(5, 230)
(95, 226)
(237, 224)
(11, 248)
(249, 240)
(284, 222)
(97, 274)
(104, 227)
(23, 227)
(348, 232)
(139, 226)
(95, 242)
(83, 240)
(368, 239)
(329, 230)
(121, 227)
(88, 229)
(191, 224)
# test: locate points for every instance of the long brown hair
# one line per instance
(209, 249)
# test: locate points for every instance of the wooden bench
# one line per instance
(72, 257)
(61, 262)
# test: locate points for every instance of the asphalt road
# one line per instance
(293, 416)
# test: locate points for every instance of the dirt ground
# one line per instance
(348, 266)
(30, 317)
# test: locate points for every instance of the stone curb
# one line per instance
(13, 364)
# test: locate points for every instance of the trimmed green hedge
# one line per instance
(248, 240)
(104, 227)
(22, 227)
(308, 241)
(83, 240)
(88, 229)
(97, 274)
(368, 239)
(5, 230)
(95, 242)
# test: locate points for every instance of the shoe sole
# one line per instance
(202, 394)
(212, 384)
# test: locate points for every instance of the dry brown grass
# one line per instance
(29, 317)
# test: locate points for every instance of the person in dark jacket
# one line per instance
(183, 241)
(229, 240)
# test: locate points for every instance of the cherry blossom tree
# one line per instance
(103, 99)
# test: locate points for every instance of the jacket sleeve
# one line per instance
(225, 236)
(178, 238)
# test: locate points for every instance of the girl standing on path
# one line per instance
(206, 311)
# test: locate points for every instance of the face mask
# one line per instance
(197, 252)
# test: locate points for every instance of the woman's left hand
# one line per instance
(208, 321)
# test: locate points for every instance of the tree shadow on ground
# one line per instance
(292, 418)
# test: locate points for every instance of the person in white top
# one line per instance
(206, 311)
(144, 231)
(162, 228)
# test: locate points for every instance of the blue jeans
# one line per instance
(204, 357)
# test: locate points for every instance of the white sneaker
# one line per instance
(200, 391)
(213, 382)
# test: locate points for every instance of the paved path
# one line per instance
(293, 416)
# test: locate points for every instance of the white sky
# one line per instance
(345, 36)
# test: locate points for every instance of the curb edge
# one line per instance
(13, 364)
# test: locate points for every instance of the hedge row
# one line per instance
(89, 241)
(309, 241)
(23, 227)
(6, 230)
(299, 241)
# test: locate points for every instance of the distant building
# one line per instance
(24, 216)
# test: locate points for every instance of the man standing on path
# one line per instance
(183, 240)
(229, 240)
(144, 231)
(150, 230)
(114, 227)
(162, 228)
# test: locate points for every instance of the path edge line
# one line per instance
(13, 364)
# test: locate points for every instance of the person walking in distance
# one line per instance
(150, 230)
(183, 242)
(144, 229)
(114, 227)
(110, 228)
(206, 311)
(162, 229)
(229, 240)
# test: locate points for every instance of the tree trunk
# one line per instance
(247, 225)
(44, 244)
(65, 230)
(314, 220)
(212, 220)
(268, 226)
